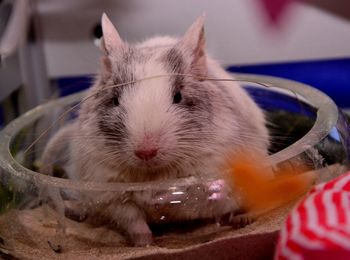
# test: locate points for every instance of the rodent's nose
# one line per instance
(146, 155)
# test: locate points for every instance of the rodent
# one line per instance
(163, 128)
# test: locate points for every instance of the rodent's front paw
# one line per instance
(241, 220)
(142, 239)
(237, 219)
(140, 234)
(75, 212)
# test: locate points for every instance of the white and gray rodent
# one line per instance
(162, 128)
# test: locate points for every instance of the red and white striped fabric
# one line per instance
(319, 227)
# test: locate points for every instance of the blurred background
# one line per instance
(48, 47)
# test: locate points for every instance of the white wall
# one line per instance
(236, 30)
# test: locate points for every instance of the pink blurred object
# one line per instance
(275, 10)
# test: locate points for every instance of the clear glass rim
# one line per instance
(327, 116)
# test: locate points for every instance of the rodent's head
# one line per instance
(154, 124)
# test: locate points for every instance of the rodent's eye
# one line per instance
(115, 101)
(177, 97)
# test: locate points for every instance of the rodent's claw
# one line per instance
(75, 212)
(142, 239)
(75, 215)
(242, 220)
(237, 219)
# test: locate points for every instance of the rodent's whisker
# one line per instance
(107, 158)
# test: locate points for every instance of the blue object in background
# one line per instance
(270, 101)
(330, 76)
(70, 85)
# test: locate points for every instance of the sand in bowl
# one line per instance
(42, 233)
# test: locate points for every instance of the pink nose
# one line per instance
(146, 155)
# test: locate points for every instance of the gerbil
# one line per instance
(162, 128)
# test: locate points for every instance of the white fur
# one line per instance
(157, 41)
(152, 121)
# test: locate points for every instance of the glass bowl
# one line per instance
(36, 213)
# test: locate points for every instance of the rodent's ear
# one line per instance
(111, 39)
(194, 41)
(106, 67)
